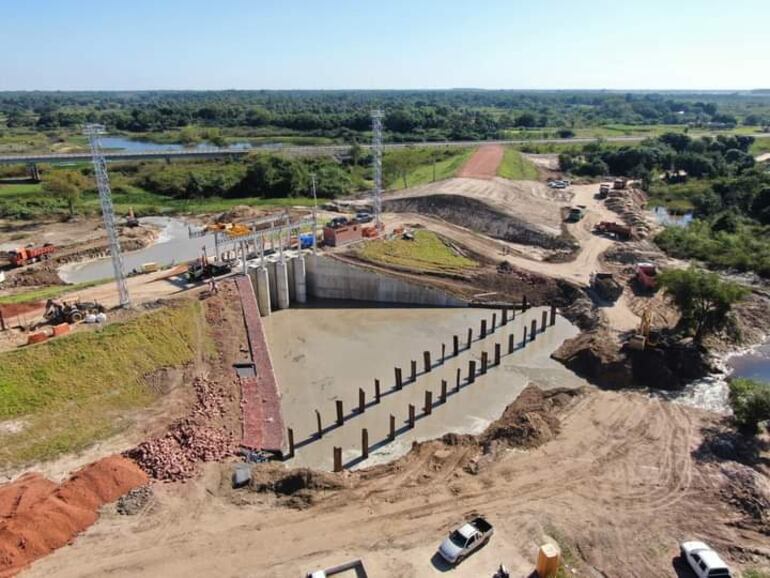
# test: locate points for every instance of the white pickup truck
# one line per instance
(466, 539)
(703, 560)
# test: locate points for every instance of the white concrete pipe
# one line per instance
(263, 291)
(282, 284)
(300, 279)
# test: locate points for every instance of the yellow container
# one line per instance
(548, 558)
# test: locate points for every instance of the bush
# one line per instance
(750, 401)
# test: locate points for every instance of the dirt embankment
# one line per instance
(38, 516)
(483, 164)
(481, 217)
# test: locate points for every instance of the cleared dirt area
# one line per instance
(617, 485)
(530, 201)
(483, 164)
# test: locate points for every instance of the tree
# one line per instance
(397, 164)
(703, 299)
(526, 120)
(67, 185)
(750, 401)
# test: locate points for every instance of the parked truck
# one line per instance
(576, 213)
(26, 255)
(604, 190)
(621, 231)
(647, 276)
(465, 540)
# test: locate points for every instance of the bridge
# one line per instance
(305, 150)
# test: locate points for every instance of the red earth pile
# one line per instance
(191, 440)
(38, 515)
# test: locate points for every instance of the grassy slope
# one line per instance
(426, 253)
(77, 389)
(51, 292)
(423, 174)
(515, 167)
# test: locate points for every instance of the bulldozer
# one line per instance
(62, 312)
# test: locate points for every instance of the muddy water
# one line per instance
(325, 354)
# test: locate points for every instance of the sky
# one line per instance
(396, 44)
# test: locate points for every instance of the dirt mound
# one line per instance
(749, 492)
(275, 478)
(596, 356)
(483, 164)
(38, 516)
(135, 501)
(238, 213)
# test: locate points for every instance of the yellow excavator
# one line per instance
(641, 338)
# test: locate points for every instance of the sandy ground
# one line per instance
(20, 233)
(483, 164)
(618, 487)
(531, 201)
(321, 355)
(548, 162)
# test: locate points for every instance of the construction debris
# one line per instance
(190, 440)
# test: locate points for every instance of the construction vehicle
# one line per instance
(641, 338)
(26, 255)
(604, 190)
(575, 214)
(57, 312)
(647, 276)
(204, 269)
(606, 286)
(131, 220)
(622, 232)
(619, 184)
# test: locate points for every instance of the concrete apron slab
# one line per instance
(325, 355)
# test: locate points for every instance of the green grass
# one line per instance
(445, 169)
(74, 390)
(48, 292)
(677, 197)
(515, 167)
(428, 252)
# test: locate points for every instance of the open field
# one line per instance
(427, 252)
(516, 167)
(66, 393)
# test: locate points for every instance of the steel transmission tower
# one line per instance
(377, 159)
(108, 213)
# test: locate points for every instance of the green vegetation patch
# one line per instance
(71, 391)
(427, 252)
(44, 293)
(750, 401)
(515, 167)
(411, 167)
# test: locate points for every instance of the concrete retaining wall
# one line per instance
(329, 278)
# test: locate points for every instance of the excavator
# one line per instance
(641, 338)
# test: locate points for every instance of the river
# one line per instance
(172, 247)
(127, 144)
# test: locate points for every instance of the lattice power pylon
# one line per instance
(108, 212)
(377, 161)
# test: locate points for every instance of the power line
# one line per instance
(108, 212)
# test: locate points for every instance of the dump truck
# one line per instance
(604, 190)
(466, 539)
(647, 276)
(26, 255)
(575, 214)
(204, 269)
(619, 184)
(621, 231)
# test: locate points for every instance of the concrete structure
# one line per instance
(336, 236)
(282, 284)
(262, 283)
(329, 278)
(300, 279)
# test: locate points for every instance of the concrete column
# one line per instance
(411, 416)
(484, 362)
(290, 433)
(524, 306)
(361, 400)
(553, 314)
(511, 344)
(364, 443)
(470, 337)
(377, 392)
(524, 340)
(273, 283)
(337, 459)
(413, 367)
(483, 330)
(443, 352)
(399, 379)
(319, 424)
(494, 321)
(505, 316)
(392, 428)
(282, 283)
(457, 381)
(263, 292)
(443, 391)
(426, 360)
(292, 284)
(300, 278)
(455, 345)
(543, 321)
(497, 354)
(533, 330)
(428, 402)
(513, 313)
(471, 371)
(340, 413)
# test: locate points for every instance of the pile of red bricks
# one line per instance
(189, 441)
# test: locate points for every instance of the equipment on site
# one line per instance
(576, 213)
(606, 286)
(25, 255)
(619, 183)
(604, 190)
(131, 220)
(621, 231)
(108, 212)
(203, 269)
(647, 276)
(465, 540)
(502, 572)
(640, 339)
(57, 312)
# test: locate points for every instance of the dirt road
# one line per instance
(618, 487)
(483, 164)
